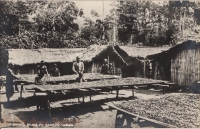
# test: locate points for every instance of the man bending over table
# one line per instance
(78, 68)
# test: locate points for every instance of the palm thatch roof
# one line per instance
(187, 45)
(33, 56)
(95, 51)
(92, 51)
(142, 51)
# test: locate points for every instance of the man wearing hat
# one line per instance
(78, 68)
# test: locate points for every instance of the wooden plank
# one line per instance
(145, 118)
(95, 89)
(40, 88)
(142, 86)
(128, 87)
(159, 90)
(104, 88)
(170, 83)
(161, 85)
(22, 87)
(41, 94)
(83, 90)
(66, 91)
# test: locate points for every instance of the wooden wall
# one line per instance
(112, 57)
(96, 66)
(161, 68)
(180, 64)
(185, 67)
(136, 69)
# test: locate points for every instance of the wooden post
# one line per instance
(48, 106)
(16, 88)
(144, 69)
(163, 90)
(117, 93)
(83, 97)
(133, 92)
(118, 121)
(90, 96)
(37, 105)
(78, 99)
(22, 87)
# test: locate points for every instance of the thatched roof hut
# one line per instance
(187, 45)
(95, 54)
(136, 59)
(92, 51)
(25, 61)
(179, 64)
(34, 56)
(142, 51)
(97, 51)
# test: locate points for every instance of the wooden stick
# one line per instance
(22, 85)
(133, 92)
(148, 119)
(163, 90)
(117, 91)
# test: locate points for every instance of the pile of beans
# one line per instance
(181, 110)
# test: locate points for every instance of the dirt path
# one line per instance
(82, 115)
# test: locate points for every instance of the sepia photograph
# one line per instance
(99, 64)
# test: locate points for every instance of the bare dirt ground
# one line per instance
(22, 113)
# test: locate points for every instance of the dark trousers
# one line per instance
(80, 77)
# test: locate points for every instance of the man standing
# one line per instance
(105, 69)
(42, 70)
(78, 68)
(9, 82)
(55, 71)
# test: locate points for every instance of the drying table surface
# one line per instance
(88, 76)
(98, 84)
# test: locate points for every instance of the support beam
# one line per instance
(163, 90)
(133, 92)
(117, 93)
(22, 87)
(90, 97)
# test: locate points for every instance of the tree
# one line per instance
(44, 23)
(93, 30)
(152, 23)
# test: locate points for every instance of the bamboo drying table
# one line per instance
(67, 78)
(94, 86)
(30, 79)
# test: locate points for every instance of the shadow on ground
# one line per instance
(65, 114)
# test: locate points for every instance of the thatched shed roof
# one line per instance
(187, 45)
(142, 51)
(95, 51)
(33, 56)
